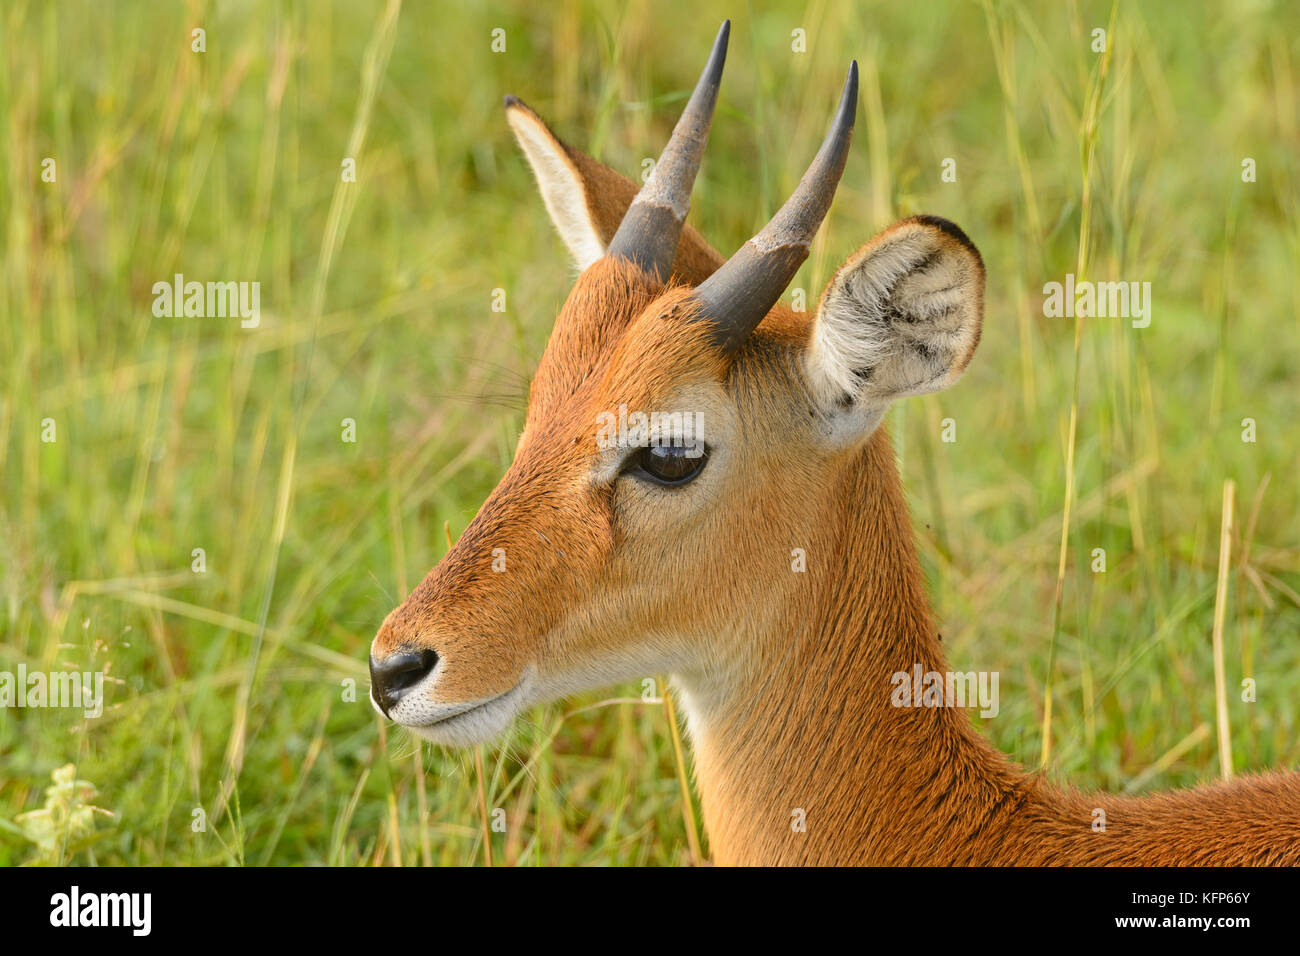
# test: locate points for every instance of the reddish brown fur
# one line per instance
(887, 785)
(786, 676)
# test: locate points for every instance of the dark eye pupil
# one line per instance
(672, 464)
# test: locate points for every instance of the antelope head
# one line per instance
(685, 434)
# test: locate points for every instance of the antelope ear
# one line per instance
(587, 199)
(901, 317)
(559, 177)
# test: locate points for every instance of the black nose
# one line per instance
(396, 674)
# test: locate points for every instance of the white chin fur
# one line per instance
(477, 725)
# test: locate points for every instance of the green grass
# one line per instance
(227, 688)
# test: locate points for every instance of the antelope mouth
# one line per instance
(473, 722)
(470, 708)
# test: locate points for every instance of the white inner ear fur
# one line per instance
(901, 317)
(561, 186)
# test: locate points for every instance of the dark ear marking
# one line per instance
(950, 229)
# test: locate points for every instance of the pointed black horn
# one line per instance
(738, 295)
(652, 226)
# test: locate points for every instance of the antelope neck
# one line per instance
(800, 756)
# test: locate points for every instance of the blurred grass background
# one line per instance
(227, 689)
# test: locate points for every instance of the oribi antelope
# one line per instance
(599, 561)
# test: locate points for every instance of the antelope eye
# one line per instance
(669, 464)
